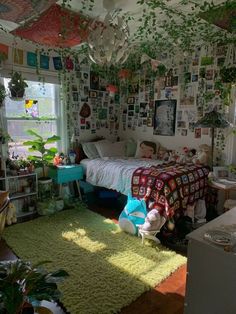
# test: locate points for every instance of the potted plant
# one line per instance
(43, 158)
(2, 93)
(17, 85)
(45, 155)
(23, 285)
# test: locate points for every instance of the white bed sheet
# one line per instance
(114, 173)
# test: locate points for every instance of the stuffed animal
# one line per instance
(133, 215)
(11, 214)
(153, 222)
(203, 155)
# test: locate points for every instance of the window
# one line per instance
(40, 110)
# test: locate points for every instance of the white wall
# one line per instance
(170, 142)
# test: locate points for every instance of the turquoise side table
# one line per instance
(66, 174)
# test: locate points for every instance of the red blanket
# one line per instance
(170, 188)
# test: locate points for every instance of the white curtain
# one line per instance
(230, 149)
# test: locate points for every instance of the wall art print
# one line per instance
(164, 118)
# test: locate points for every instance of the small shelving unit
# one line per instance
(23, 192)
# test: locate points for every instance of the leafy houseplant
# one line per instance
(4, 136)
(2, 93)
(228, 75)
(23, 284)
(17, 85)
(46, 155)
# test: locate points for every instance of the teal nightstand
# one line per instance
(66, 174)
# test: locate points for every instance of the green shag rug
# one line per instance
(108, 268)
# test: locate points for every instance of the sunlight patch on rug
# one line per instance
(108, 268)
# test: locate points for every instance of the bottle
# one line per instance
(72, 156)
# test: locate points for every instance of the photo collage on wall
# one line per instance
(89, 106)
(138, 104)
(198, 92)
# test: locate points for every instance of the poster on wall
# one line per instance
(164, 118)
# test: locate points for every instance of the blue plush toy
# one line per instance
(133, 215)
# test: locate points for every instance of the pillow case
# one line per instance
(147, 149)
(90, 150)
(108, 149)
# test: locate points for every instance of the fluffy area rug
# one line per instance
(108, 268)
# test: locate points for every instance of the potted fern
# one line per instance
(17, 85)
(23, 286)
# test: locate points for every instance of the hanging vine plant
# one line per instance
(2, 94)
(228, 75)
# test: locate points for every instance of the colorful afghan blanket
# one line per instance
(170, 188)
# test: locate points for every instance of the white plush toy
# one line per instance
(153, 222)
(11, 214)
(203, 155)
(152, 225)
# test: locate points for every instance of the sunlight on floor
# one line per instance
(79, 238)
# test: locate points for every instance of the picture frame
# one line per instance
(165, 117)
(94, 81)
(221, 172)
(131, 100)
(92, 94)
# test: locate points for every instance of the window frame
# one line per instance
(58, 103)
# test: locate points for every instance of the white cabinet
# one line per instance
(211, 272)
(23, 191)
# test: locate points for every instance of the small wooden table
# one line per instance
(225, 188)
(66, 174)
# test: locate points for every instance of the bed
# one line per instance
(114, 173)
(168, 187)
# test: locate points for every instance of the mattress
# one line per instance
(114, 173)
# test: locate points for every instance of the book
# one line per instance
(224, 183)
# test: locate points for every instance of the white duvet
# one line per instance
(114, 173)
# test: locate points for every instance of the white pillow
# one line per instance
(107, 149)
(90, 149)
(147, 149)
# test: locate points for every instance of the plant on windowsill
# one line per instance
(23, 285)
(17, 85)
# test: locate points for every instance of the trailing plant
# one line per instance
(2, 93)
(228, 75)
(22, 283)
(45, 155)
(4, 136)
(17, 85)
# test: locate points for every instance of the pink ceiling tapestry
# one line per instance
(57, 27)
(20, 10)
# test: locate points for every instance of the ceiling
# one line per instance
(128, 7)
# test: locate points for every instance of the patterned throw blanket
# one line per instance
(170, 187)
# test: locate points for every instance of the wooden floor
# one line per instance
(166, 298)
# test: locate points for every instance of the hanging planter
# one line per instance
(17, 85)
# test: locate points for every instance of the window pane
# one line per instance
(44, 94)
(18, 131)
